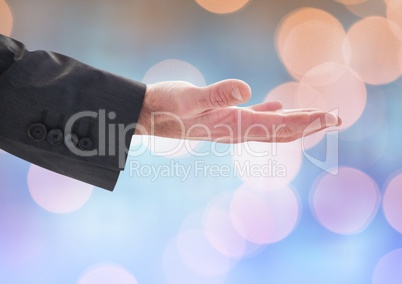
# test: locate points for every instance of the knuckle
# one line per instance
(217, 97)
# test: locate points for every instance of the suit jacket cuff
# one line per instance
(45, 96)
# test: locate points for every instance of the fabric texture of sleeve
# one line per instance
(66, 116)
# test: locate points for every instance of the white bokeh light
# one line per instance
(57, 193)
(107, 274)
(264, 214)
(269, 163)
(174, 70)
(338, 88)
(345, 203)
(221, 233)
(196, 252)
(177, 272)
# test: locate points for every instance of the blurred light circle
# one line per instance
(287, 94)
(345, 203)
(6, 19)
(366, 8)
(220, 232)
(393, 4)
(57, 193)
(309, 37)
(392, 202)
(269, 163)
(176, 272)
(173, 70)
(338, 88)
(264, 214)
(222, 6)
(388, 269)
(222, 235)
(375, 51)
(107, 274)
(198, 255)
(394, 13)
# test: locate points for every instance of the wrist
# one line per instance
(143, 126)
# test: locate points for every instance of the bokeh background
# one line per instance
(335, 216)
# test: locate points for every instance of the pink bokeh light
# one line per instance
(57, 193)
(345, 203)
(198, 255)
(221, 233)
(264, 214)
(107, 274)
(388, 269)
(392, 202)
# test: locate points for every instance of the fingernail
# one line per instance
(331, 120)
(237, 95)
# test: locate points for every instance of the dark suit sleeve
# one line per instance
(66, 116)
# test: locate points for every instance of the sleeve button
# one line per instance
(55, 136)
(37, 131)
(85, 143)
(73, 138)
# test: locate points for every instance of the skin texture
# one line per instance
(184, 111)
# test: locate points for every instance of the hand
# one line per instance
(184, 111)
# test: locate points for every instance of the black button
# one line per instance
(37, 131)
(73, 138)
(85, 143)
(55, 136)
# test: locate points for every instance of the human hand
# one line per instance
(183, 111)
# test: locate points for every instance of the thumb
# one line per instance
(224, 94)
